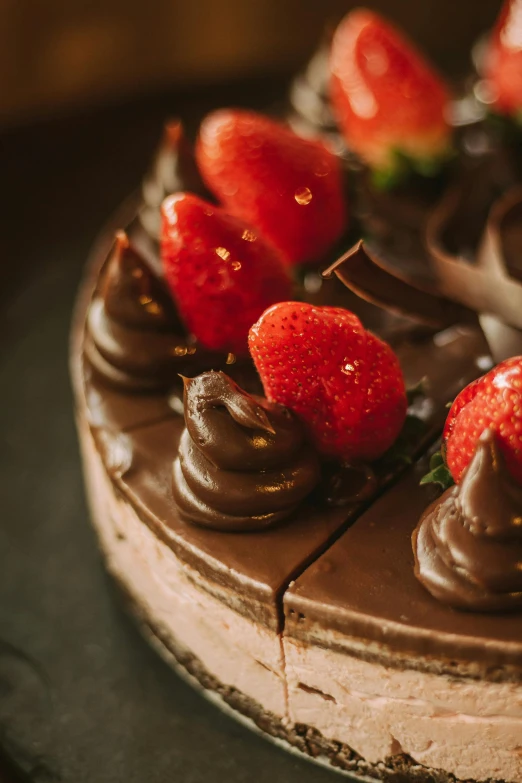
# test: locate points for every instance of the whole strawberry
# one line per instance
(344, 382)
(389, 102)
(221, 273)
(289, 188)
(503, 60)
(491, 402)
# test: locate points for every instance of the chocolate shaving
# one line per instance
(485, 286)
(366, 276)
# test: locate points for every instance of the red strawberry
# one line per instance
(290, 188)
(503, 60)
(344, 382)
(492, 402)
(221, 273)
(387, 99)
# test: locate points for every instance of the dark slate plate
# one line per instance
(82, 697)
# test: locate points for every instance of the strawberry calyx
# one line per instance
(349, 482)
(386, 95)
(402, 451)
(402, 167)
(439, 473)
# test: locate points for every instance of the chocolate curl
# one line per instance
(485, 286)
(364, 274)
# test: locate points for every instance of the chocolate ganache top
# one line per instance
(135, 340)
(468, 544)
(243, 463)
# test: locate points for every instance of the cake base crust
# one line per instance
(300, 739)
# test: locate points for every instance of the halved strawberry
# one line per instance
(289, 188)
(503, 60)
(344, 382)
(491, 402)
(389, 102)
(222, 274)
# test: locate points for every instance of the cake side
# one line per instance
(365, 644)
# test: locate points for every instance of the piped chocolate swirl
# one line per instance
(135, 340)
(243, 463)
(468, 544)
(173, 169)
(310, 113)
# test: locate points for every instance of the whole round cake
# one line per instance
(299, 403)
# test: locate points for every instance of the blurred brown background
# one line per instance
(56, 54)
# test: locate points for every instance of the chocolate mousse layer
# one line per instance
(376, 663)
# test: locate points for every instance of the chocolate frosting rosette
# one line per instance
(135, 340)
(468, 544)
(243, 463)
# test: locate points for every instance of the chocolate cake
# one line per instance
(295, 515)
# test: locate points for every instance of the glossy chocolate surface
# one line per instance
(114, 410)
(366, 276)
(395, 220)
(252, 570)
(364, 588)
(257, 566)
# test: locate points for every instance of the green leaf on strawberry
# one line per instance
(439, 472)
(404, 167)
(492, 402)
(403, 450)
